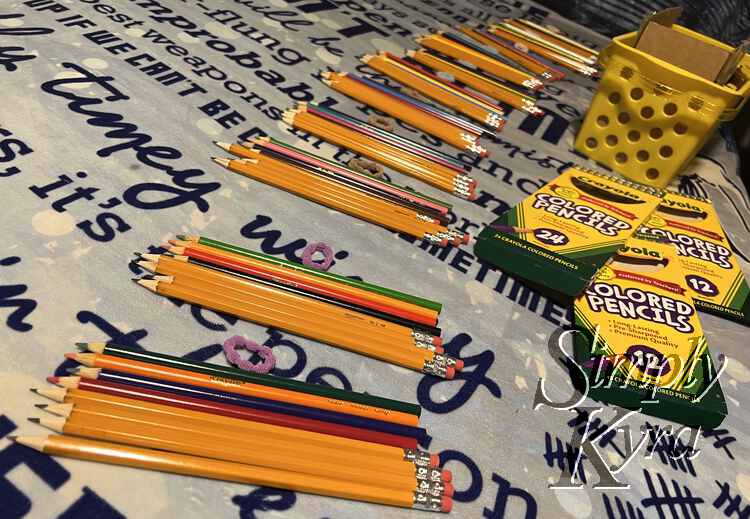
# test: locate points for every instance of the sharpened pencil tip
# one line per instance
(40, 406)
(12, 438)
(33, 420)
(221, 161)
(71, 356)
(34, 390)
(53, 380)
(139, 254)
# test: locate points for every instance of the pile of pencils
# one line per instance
(449, 128)
(547, 44)
(361, 317)
(351, 192)
(148, 410)
(398, 153)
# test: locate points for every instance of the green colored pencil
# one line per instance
(426, 303)
(247, 376)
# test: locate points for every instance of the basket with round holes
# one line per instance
(649, 118)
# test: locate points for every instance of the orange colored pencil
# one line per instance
(243, 388)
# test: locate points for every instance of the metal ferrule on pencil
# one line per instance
(429, 473)
(434, 488)
(444, 360)
(424, 501)
(431, 368)
(432, 238)
(425, 346)
(419, 457)
(533, 84)
(421, 336)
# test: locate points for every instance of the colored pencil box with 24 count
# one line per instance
(559, 236)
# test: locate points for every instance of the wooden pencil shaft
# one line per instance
(315, 294)
(425, 107)
(180, 376)
(155, 435)
(436, 205)
(384, 153)
(475, 80)
(443, 130)
(413, 360)
(440, 93)
(392, 138)
(482, 61)
(335, 196)
(90, 400)
(242, 290)
(449, 179)
(523, 58)
(284, 272)
(339, 199)
(243, 407)
(450, 88)
(266, 379)
(107, 452)
(391, 348)
(331, 276)
(365, 188)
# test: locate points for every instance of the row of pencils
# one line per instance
(143, 409)
(489, 74)
(361, 317)
(338, 187)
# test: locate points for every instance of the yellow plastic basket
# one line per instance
(648, 118)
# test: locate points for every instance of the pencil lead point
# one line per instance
(221, 161)
(41, 406)
(34, 390)
(149, 284)
(33, 420)
(53, 380)
(12, 438)
(139, 254)
(71, 356)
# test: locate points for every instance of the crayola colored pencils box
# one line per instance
(558, 237)
(640, 341)
(712, 273)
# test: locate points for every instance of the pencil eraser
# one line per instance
(459, 364)
(53, 380)
(434, 460)
(446, 504)
(447, 476)
(439, 350)
(437, 341)
(450, 373)
(448, 490)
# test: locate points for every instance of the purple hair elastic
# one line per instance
(233, 344)
(307, 256)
